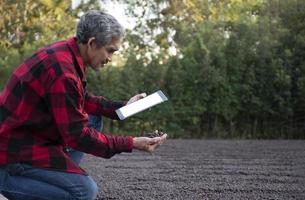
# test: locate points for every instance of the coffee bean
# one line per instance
(156, 133)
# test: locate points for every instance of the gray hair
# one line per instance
(104, 27)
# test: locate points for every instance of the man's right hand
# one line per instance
(148, 144)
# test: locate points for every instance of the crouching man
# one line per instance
(44, 108)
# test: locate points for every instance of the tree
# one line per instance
(28, 25)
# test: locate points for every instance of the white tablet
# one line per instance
(140, 105)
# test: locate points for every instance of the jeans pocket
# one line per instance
(3, 174)
(15, 169)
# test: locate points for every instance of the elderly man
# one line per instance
(44, 108)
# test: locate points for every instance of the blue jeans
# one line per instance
(24, 182)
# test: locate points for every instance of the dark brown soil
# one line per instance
(204, 169)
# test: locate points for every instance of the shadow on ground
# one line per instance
(204, 169)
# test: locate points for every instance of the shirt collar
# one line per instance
(72, 43)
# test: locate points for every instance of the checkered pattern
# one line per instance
(44, 107)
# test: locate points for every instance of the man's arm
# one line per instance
(98, 105)
(66, 101)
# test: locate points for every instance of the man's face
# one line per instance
(98, 57)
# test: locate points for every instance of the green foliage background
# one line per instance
(239, 70)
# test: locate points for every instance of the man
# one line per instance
(44, 108)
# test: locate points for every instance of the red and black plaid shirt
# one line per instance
(44, 107)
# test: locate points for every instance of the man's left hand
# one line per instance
(136, 98)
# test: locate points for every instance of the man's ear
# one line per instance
(91, 43)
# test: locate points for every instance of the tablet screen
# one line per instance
(140, 105)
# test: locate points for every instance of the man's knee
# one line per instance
(89, 189)
(92, 189)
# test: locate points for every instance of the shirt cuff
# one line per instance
(124, 144)
(130, 143)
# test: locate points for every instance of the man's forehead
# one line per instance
(114, 44)
(114, 47)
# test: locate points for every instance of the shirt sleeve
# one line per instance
(98, 105)
(66, 102)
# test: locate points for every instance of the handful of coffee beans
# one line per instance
(156, 133)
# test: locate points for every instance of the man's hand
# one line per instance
(136, 98)
(148, 144)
